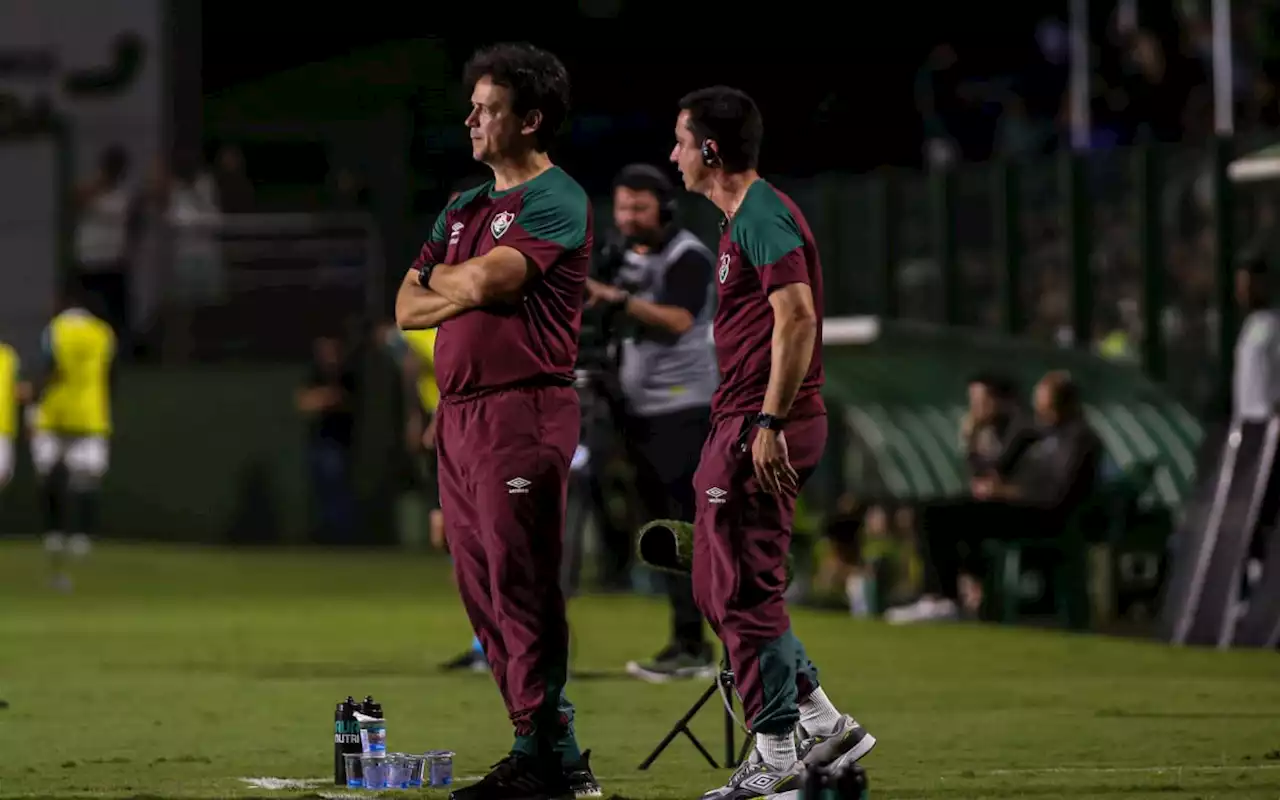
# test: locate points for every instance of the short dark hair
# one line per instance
(729, 117)
(999, 386)
(1253, 262)
(1066, 393)
(535, 78)
(646, 178)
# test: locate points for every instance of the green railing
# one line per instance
(1123, 246)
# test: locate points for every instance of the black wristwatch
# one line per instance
(424, 275)
(769, 422)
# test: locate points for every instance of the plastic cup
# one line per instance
(377, 771)
(415, 769)
(440, 763)
(354, 771)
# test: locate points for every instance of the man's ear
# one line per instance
(532, 122)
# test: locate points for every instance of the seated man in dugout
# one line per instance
(1032, 495)
(995, 431)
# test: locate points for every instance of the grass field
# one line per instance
(178, 672)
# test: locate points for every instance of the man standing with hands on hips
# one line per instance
(769, 428)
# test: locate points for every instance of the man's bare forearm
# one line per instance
(669, 319)
(458, 283)
(418, 308)
(792, 346)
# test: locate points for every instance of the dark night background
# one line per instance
(835, 81)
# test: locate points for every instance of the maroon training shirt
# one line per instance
(548, 219)
(765, 246)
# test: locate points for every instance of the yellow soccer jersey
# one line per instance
(423, 344)
(77, 397)
(8, 392)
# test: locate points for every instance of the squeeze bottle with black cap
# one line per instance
(373, 729)
(346, 738)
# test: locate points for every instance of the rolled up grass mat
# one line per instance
(667, 545)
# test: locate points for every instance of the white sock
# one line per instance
(54, 542)
(817, 715)
(777, 751)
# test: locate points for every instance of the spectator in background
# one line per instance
(1018, 134)
(838, 557)
(195, 219)
(1036, 495)
(233, 191)
(937, 92)
(348, 192)
(1256, 381)
(102, 213)
(327, 401)
(993, 432)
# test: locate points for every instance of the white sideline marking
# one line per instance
(284, 784)
(280, 784)
(1106, 770)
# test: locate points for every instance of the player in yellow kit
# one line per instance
(10, 399)
(420, 375)
(70, 445)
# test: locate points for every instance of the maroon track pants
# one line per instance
(742, 536)
(504, 471)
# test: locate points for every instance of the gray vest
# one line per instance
(661, 377)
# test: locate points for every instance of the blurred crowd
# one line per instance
(124, 250)
(1150, 81)
(1150, 84)
(161, 243)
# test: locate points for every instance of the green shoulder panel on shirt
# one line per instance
(439, 231)
(555, 209)
(763, 228)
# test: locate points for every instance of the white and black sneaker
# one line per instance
(582, 781)
(846, 745)
(755, 779)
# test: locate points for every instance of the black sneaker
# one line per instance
(582, 781)
(472, 660)
(517, 777)
(675, 663)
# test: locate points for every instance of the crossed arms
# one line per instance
(498, 276)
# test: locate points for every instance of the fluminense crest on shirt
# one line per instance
(501, 222)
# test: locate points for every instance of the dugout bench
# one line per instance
(1108, 559)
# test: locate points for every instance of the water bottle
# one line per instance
(814, 783)
(346, 739)
(373, 735)
(851, 783)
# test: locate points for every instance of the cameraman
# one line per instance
(662, 302)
